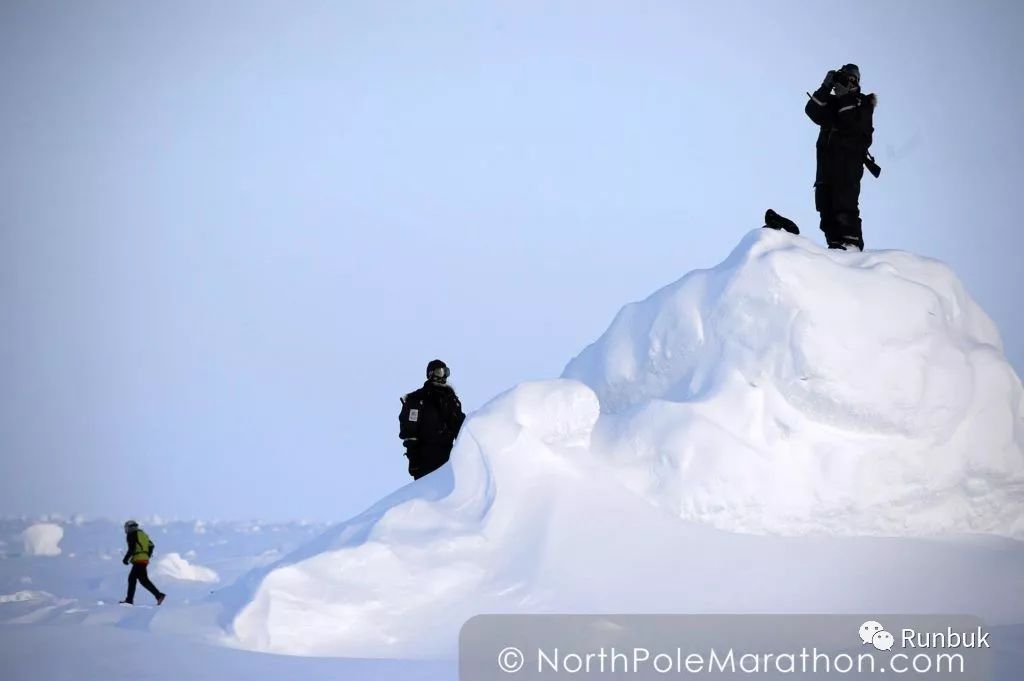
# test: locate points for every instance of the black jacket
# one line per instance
(436, 417)
(846, 130)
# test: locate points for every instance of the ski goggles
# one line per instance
(847, 79)
(441, 373)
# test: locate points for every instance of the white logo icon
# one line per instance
(874, 633)
(883, 640)
(869, 629)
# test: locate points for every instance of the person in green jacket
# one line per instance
(140, 550)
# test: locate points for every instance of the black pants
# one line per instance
(425, 459)
(140, 575)
(837, 199)
(837, 204)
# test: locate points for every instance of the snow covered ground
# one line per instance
(69, 603)
(84, 582)
(793, 430)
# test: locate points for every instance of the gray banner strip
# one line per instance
(641, 647)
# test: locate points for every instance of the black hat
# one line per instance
(852, 70)
(437, 370)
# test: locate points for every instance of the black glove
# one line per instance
(125, 561)
(873, 168)
(830, 79)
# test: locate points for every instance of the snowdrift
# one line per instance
(173, 565)
(42, 539)
(796, 390)
(735, 443)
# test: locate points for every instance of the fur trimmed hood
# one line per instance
(429, 384)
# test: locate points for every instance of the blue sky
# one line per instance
(234, 233)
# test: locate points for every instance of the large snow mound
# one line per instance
(789, 390)
(42, 539)
(795, 390)
(444, 547)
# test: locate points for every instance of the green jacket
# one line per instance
(140, 547)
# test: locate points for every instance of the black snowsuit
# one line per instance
(429, 423)
(843, 142)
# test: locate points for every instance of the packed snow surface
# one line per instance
(42, 539)
(176, 567)
(856, 406)
(22, 596)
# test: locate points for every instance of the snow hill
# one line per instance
(794, 390)
(793, 430)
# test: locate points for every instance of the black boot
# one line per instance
(846, 232)
(773, 220)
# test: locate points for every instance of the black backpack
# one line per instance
(409, 417)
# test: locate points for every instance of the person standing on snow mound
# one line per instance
(140, 550)
(429, 422)
(845, 119)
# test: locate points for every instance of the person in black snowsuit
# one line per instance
(140, 550)
(846, 122)
(429, 422)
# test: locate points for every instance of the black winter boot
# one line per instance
(773, 220)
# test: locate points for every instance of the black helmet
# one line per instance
(437, 371)
(131, 526)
